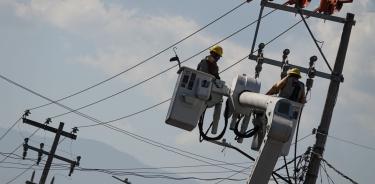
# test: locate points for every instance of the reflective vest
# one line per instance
(293, 89)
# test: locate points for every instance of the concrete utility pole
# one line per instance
(59, 132)
(335, 77)
(321, 136)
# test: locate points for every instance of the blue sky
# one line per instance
(59, 47)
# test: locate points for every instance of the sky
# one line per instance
(58, 47)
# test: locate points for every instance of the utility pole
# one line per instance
(321, 136)
(335, 77)
(59, 132)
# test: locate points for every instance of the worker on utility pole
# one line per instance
(209, 63)
(290, 87)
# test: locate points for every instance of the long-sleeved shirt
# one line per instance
(208, 65)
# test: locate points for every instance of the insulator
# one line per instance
(261, 46)
(309, 83)
(48, 121)
(313, 59)
(311, 72)
(285, 54)
(25, 148)
(258, 69)
(27, 113)
(78, 160)
(40, 154)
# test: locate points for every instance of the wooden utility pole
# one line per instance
(333, 90)
(59, 132)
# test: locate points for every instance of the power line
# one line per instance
(144, 61)
(329, 179)
(163, 146)
(65, 107)
(97, 121)
(166, 100)
(160, 73)
(162, 175)
(31, 166)
(131, 169)
(231, 176)
(143, 139)
(348, 141)
(167, 177)
(127, 116)
(9, 129)
(352, 143)
(12, 152)
(315, 40)
(153, 172)
(339, 172)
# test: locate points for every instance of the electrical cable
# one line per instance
(85, 116)
(171, 167)
(111, 171)
(12, 152)
(177, 178)
(160, 73)
(246, 134)
(115, 172)
(204, 135)
(31, 166)
(163, 146)
(278, 36)
(306, 136)
(144, 61)
(9, 129)
(127, 116)
(339, 172)
(328, 176)
(224, 70)
(286, 168)
(295, 147)
(297, 131)
(315, 40)
(348, 142)
(112, 127)
(230, 176)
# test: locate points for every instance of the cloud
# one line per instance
(356, 97)
(122, 37)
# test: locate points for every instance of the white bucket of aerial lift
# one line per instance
(194, 91)
(296, 109)
(277, 110)
(278, 132)
(241, 84)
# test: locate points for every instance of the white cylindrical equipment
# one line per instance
(254, 100)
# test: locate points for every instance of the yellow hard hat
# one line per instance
(217, 49)
(294, 71)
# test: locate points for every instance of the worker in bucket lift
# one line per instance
(290, 87)
(209, 63)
